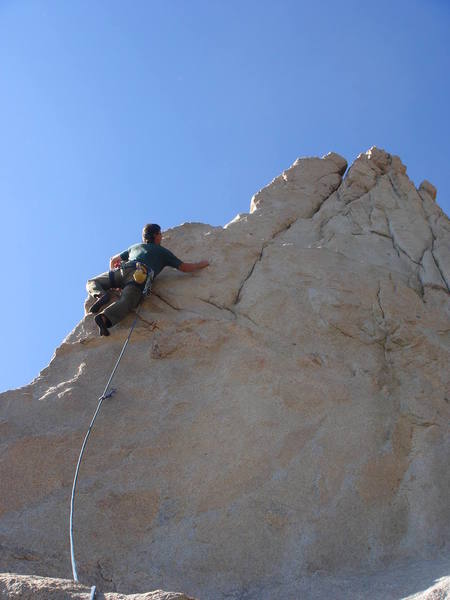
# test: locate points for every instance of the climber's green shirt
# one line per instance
(153, 256)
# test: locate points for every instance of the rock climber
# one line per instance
(129, 271)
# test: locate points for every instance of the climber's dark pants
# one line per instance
(129, 298)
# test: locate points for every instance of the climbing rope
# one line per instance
(106, 394)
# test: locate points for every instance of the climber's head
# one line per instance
(151, 234)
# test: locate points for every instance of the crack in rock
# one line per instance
(259, 258)
(218, 306)
(436, 261)
(282, 230)
(165, 301)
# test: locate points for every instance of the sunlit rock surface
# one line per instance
(286, 423)
(23, 587)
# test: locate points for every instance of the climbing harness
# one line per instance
(107, 393)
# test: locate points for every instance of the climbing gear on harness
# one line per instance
(148, 283)
(104, 299)
(140, 275)
(102, 323)
(106, 394)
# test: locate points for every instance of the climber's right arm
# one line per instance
(191, 267)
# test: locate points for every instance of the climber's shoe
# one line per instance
(102, 323)
(104, 299)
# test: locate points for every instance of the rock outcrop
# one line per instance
(22, 587)
(288, 418)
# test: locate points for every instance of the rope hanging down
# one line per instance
(106, 394)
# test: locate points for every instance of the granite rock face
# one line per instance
(288, 417)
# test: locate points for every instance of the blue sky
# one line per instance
(114, 114)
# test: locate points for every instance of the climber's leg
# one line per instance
(129, 299)
(97, 286)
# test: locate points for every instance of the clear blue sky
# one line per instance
(114, 114)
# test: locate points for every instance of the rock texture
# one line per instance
(287, 420)
(388, 585)
(21, 587)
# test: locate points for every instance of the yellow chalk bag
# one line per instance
(140, 275)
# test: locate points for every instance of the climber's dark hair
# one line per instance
(149, 232)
